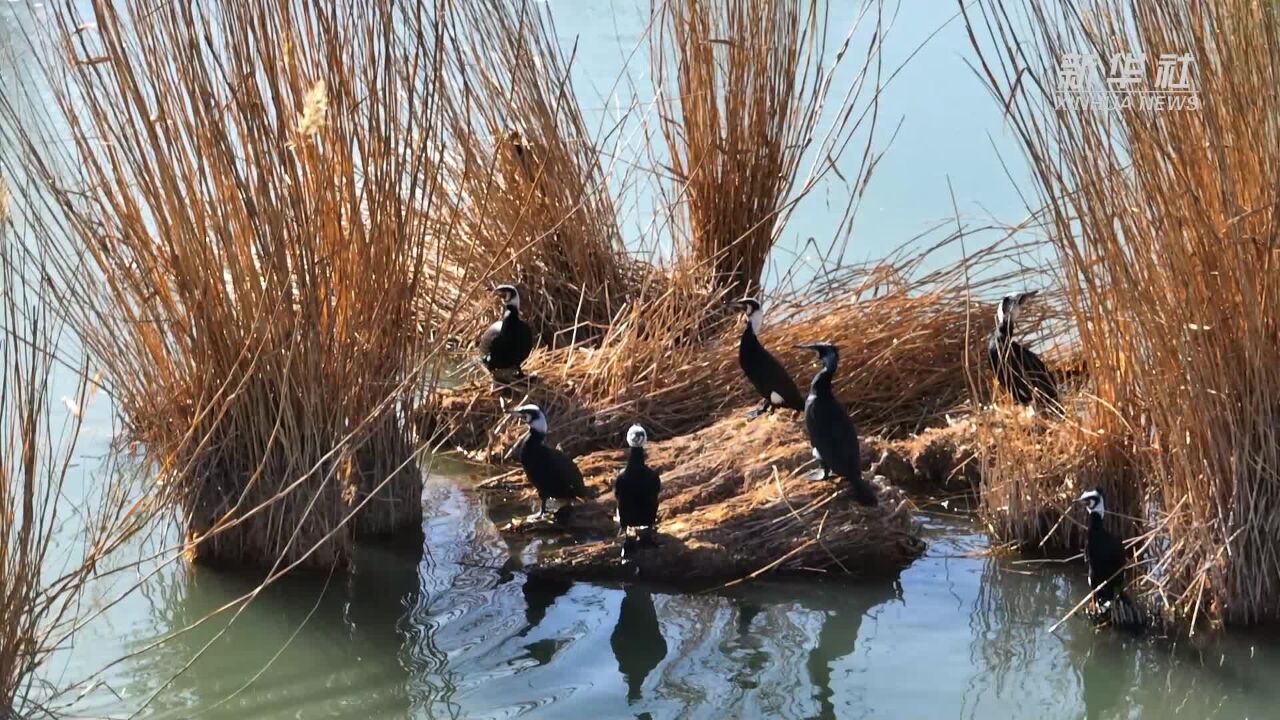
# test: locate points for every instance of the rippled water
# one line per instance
(458, 631)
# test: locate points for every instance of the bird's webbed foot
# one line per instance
(821, 473)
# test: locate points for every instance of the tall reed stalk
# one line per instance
(532, 206)
(49, 550)
(234, 214)
(745, 97)
(1165, 224)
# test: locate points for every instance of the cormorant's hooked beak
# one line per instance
(814, 348)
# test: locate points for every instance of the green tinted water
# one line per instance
(459, 632)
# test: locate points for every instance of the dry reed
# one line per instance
(744, 91)
(235, 227)
(49, 551)
(910, 341)
(1164, 221)
(529, 201)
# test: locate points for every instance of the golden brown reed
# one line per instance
(49, 550)
(743, 90)
(235, 229)
(1164, 224)
(529, 203)
(910, 336)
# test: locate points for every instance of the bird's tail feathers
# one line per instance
(1121, 612)
(864, 493)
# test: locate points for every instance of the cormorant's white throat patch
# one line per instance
(775, 398)
(636, 436)
(1093, 499)
(756, 318)
(533, 415)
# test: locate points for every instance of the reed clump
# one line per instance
(530, 203)
(1164, 220)
(743, 89)
(234, 227)
(1032, 468)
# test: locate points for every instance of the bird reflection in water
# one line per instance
(637, 640)
(844, 609)
(540, 593)
(1105, 675)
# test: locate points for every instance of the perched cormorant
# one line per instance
(507, 342)
(766, 374)
(636, 490)
(1105, 557)
(552, 473)
(831, 431)
(1016, 368)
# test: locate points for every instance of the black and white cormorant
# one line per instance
(636, 490)
(550, 471)
(1017, 369)
(508, 342)
(762, 369)
(831, 432)
(1105, 556)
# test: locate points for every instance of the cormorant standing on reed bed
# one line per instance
(1017, 369)
(831, 432)
(636, 490)
(762, 369)
(508, 342)
(1105, 556)
(550, 471)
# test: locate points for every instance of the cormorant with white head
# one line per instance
(1105, 557)
(550, 471)
(762, 369)
(1017, 369)
(831, 432)
(636, 490)
(508, 342)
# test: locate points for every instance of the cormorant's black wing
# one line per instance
(1106, 562)
(780, 381)
(766, 374)
(1022, 372)
(847, 460)
(487, 339)
(653, 489)
(1035, 373)
(569, 482)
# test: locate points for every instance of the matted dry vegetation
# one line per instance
(736, 503)
(911, 345)
(1165, 226)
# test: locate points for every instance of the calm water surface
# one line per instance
(458, 631)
